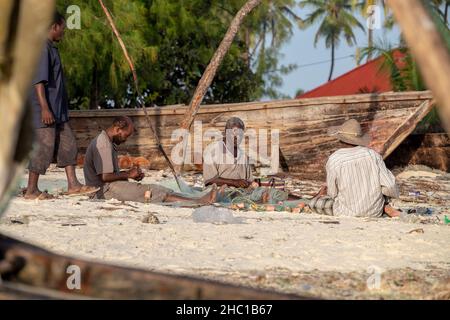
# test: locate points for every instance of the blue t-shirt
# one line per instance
(50, 73)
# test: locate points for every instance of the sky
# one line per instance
(301, 51)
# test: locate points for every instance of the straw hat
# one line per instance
(350, 132)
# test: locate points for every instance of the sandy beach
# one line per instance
(309, 254)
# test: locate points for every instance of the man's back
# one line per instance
(357, 178)
(101, 157)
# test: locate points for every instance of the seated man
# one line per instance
(358, 181)
(101, 169)
(225, 164)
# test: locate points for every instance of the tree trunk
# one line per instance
(93, 101)
(247, 47)
(332, 61)
(215, 62)
(370, 44)
(446, 13)
(428, 48)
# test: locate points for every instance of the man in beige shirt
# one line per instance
(101, 169)
(224, 162)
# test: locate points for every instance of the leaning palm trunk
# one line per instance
(211, 70)
(215, 62)
(429, 49)
(23, 28)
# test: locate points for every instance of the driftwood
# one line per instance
(42, 274)
(428, 48)
(23, 29)
(303, 123)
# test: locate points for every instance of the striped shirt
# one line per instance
(357, 179)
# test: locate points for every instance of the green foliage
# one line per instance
(402, 68)
(404, 74)
(92, 58)
(171, 43)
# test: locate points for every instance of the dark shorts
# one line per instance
(55, 144)
(132, 191)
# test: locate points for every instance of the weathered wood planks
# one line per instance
(302, 123)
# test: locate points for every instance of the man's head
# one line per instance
(121, 129)
(350, 133)
(56, 32)
(234, 131)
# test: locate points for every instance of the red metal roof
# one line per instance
(366, 78)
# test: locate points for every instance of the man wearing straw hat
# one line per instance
(358, 182)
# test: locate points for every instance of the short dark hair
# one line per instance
(122, 122)
(58, 18)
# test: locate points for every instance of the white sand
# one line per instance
(266, 241)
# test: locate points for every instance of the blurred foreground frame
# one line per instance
(23, 30)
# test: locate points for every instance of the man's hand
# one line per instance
(241, 184)
(135, 173)
(323, 191)
(47, 116)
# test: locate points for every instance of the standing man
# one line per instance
(54, 138)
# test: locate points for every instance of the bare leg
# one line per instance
(73, 184)
(206, 199)
(32, 188)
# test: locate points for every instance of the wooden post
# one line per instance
(428, 48)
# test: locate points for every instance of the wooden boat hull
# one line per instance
(303, 123)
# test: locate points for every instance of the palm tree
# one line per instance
(363, 7)
(441, 7)
(336, 20)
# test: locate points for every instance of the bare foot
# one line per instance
(391, 212)
(265, 196)
(82, 190)
(39, 195)
(74, 187)
(210, 197)
(221, 191)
